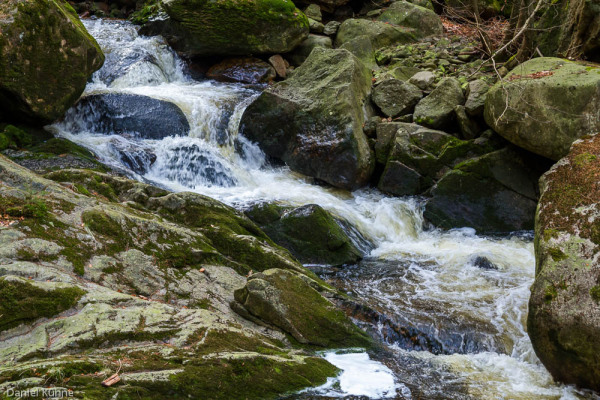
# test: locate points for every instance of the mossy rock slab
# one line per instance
(311, 233)
(437, 110)
(564, 311)
(313, 121)
(423, 21)
(46, 58)
(380, 34)
(230, 27)
(545, 104)
(292, 303)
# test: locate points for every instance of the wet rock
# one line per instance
(494, 193)
(437, 110)
(228, 28)
(564, 320)
(317, 129)
(421, 21)
(140, 116)
(245, 70)
(424, 80)
(395, 97)
(302, 52)
(483, 263)
(293, 304)
(379, 33)
(309, 232)
(47, 58)
(545, 113)
(476, 94)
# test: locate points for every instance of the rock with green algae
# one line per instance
(229, 27)
(379, 33)
(303, 50)
(121, 270)
(423, 21)
(494, 193)
(317, 129)
(437, 110)
(293, 303)
(46, 58)
(545, 104)
(564, 317)
(309, 232)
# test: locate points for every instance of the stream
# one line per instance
(453, 304)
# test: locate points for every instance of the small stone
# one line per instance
(313, 11)
(315, 26)
(331, 28)
(279, 64)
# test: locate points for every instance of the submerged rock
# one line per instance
(46, 58)
(227, 27)
(545, 104)
(121, 113)
(564, 316)
(309, 232)
(317, 129)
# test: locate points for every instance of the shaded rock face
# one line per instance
(437, 110)
(423, 21)
(313, 121)
(141, 116)
(494, 193)
(564, 316)
(293, 303)
(548, 111)
(303, 50)
(112, 269)
(309, 232)
(228, 27)
(379, 33)
(46, 58)
(245, 70)
(416, 157)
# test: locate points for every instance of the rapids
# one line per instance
(467, 329)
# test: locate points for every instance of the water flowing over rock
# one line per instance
(228, 27)
(564, 321)
(140, 116)
(543, 105)
(317, 128)
(46, 58)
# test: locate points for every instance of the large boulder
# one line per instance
(422, 21)
(379, 33)
(544, 104)
(313, 121)
(230, 27)
(292, 302)
(494, 193)
(309, 232)
(46, 58)
(437, 110)
(137, 115)
(564, 312)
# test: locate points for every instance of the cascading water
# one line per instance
(467, 335)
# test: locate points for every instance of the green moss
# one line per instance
(595, 293)
(14, 138)
(550, 293)
(31, 207)
(22, 302)
(557, 254)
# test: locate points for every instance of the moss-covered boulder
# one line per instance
(494, 193)
(395, 97)
(293, 303)
(313, 121)
(415, 157)
(380, 34)
(437, 110)
(564, 308)
(97, 269)
(230, 27)
(545, 104)
(423, 21)
(309, 232)
(46, 58)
